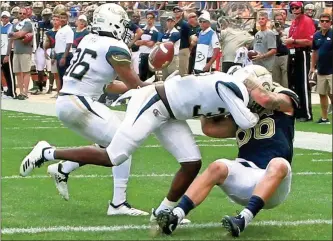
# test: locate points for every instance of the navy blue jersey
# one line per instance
(272, 137)
(42, 28)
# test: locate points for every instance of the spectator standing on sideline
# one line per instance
(208, 46)
(80, 31)
(183, 27)
(172, 35)
(146, 44)
(310, 11)
(280, 73)
(135, 33)
(299, 43)
(22, 52)
(194, 34)
(7, 66)
(264, 44)
(231, 40)
(322, 57)
(48, 46)
(63, 46)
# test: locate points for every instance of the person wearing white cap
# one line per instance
(6, 67)
(80, 31)
(208, 45)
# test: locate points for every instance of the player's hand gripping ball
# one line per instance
(161, 56)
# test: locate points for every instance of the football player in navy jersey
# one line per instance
(43, 26)
(260, 177)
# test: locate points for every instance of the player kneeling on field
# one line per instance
(260, 177)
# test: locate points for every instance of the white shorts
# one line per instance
(147, 114)
(40, 60)
(88, 118)
(242, 180)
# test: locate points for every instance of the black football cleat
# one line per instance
(234, 225)
(167, 221)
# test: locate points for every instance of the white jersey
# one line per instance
(90, 71)
(208, 95)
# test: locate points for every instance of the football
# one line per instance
(161, 56)
(251, 54)
(27, 38)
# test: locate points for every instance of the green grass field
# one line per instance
(33, 210)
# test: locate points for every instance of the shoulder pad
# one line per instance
(118, 55)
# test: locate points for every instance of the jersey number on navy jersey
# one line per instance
(75, 70)
(196, 112)
(263, 130)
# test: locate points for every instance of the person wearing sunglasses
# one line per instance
(208, 46)
(184, 28)
(22, 52)
(322, 58)
(146, 44)
(299, 43)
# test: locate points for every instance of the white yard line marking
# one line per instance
(115, 228)
(140, 175)
(321, 160)
(310, 154)
(34, 127)
(146, 146)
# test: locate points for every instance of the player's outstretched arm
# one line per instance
(120, 60)
(218, 127)
(269, 100)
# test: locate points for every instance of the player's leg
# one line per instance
(270, 190)
(215, 174)
(139, 122)
(177, 137)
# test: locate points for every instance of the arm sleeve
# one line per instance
(27, 27)
(271, 40)
(70, 37)
(118, 55)
(314, 46)
(309, 30)
(175, 37)
(215, 41)
(155, 36)
(243, 117)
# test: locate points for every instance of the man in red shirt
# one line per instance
(299, 43)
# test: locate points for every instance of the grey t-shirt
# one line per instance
(19, 46)
(263, 42)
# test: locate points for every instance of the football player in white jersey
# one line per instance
(163, 109)
(99, 58)
(260, 176)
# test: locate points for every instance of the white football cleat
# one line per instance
(60, 178)
(153, 218)
(124, 209)
(34, 159)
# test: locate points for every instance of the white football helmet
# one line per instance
(261, 76)
(258, 73)
(111, 20)
(233, 69)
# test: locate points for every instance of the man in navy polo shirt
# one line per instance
(322, 57)
(184, 28)
(172, 35)
(146, 45)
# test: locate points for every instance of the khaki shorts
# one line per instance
(21, 63)
(324, 84)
